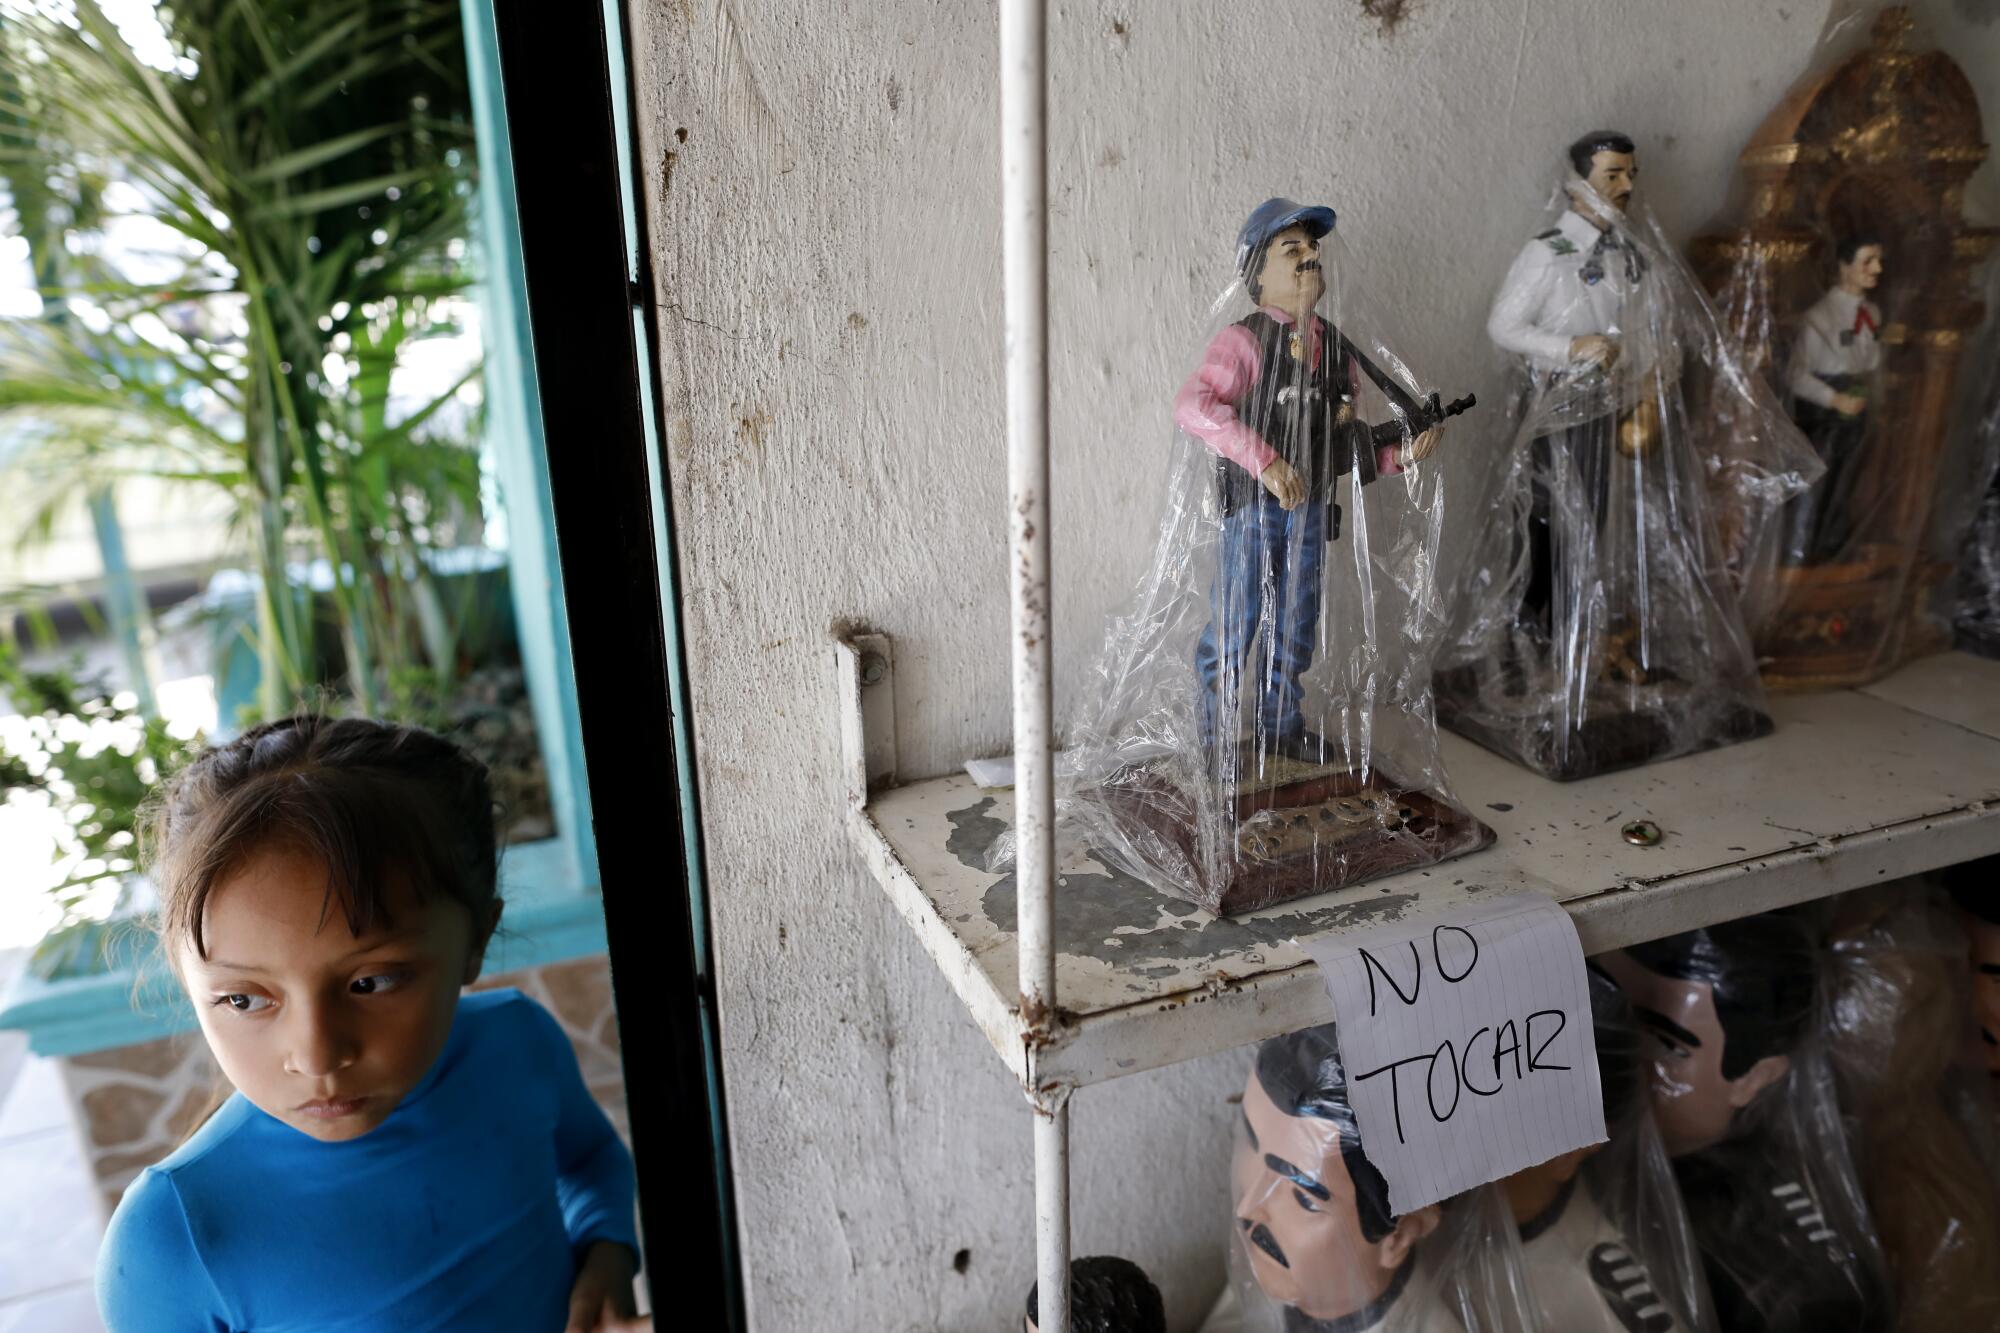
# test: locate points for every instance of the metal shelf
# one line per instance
(1853, 787)
(1087, 974)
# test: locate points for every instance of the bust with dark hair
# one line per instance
(1975, 887)
(1533, 1193)
(1726, 1005)
(1107, 1294)
(1312, 1212)
(1762, 1161)
(1585, 1271)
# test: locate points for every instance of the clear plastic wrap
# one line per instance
(1975, 887)
(1976, 599)
(1313, 1245)
(1259, 723)
(1850, 272)
(1596, 625)
(1744, 1096)
(1900, 1009)
(1605, 1238)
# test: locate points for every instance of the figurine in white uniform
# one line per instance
(1833, 365)
(1563, 308)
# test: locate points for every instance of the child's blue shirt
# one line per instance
(468, 1208)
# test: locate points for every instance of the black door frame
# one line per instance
(596, 377)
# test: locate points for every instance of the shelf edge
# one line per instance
(1152, 1033)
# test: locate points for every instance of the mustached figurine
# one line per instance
(1835, 358)
(1259, 724)
(1748, 1112)
(1564, 306)
(1107, 1295)
(1274, 398)
(1596, 626)
(1606, 1241)
(1317, 1248)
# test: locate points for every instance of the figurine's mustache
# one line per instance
(1310, 266)
(1261, 1237)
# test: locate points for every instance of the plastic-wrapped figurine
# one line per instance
(1596, 626)
(1976, 616)
(1975, 887)
(1260, 723)
(1832, 373)
(1923, 1136)
(1746, 1106)
(1107, 1295)
(1606, 1241)
(1316, 1248)
(1274, 398)
(1869, 154)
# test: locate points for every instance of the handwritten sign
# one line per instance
(1468, 1044)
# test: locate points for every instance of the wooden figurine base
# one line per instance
(1300, 828)
(1604, 742)
(1850, 623)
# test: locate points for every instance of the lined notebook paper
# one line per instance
(1467, 1042)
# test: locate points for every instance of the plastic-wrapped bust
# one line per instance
(1316, 1248)
(1923, 1137)
(1975, 887)
(1596, 625)
(1746, 1105)
(1106, 1295)
(1260, 725)
(1606, 1240)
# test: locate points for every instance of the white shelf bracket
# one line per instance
(867, 682)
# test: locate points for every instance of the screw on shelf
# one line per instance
(873, 668)
(1642, 833)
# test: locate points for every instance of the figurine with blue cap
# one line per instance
(1274, 400)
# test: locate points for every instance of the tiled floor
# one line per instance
(49, 1223)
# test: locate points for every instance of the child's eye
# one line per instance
(245, 1004)
(1304, 1201)
(377, 984)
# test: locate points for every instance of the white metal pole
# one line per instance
(1024, 228)
(1052, 1218)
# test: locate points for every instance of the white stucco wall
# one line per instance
(823, 185)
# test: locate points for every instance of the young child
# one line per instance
(396, 1156)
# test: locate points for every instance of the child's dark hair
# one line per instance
(377, 803)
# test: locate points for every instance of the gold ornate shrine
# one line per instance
(1881, 144)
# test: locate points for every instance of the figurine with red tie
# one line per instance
(1835, 357)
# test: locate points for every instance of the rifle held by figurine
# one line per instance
(1432, 412)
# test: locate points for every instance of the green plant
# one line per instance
(312, 161)
(93, 758)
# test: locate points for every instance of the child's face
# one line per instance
(321, 1029)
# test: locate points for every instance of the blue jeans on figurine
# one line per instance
(1267, 552)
